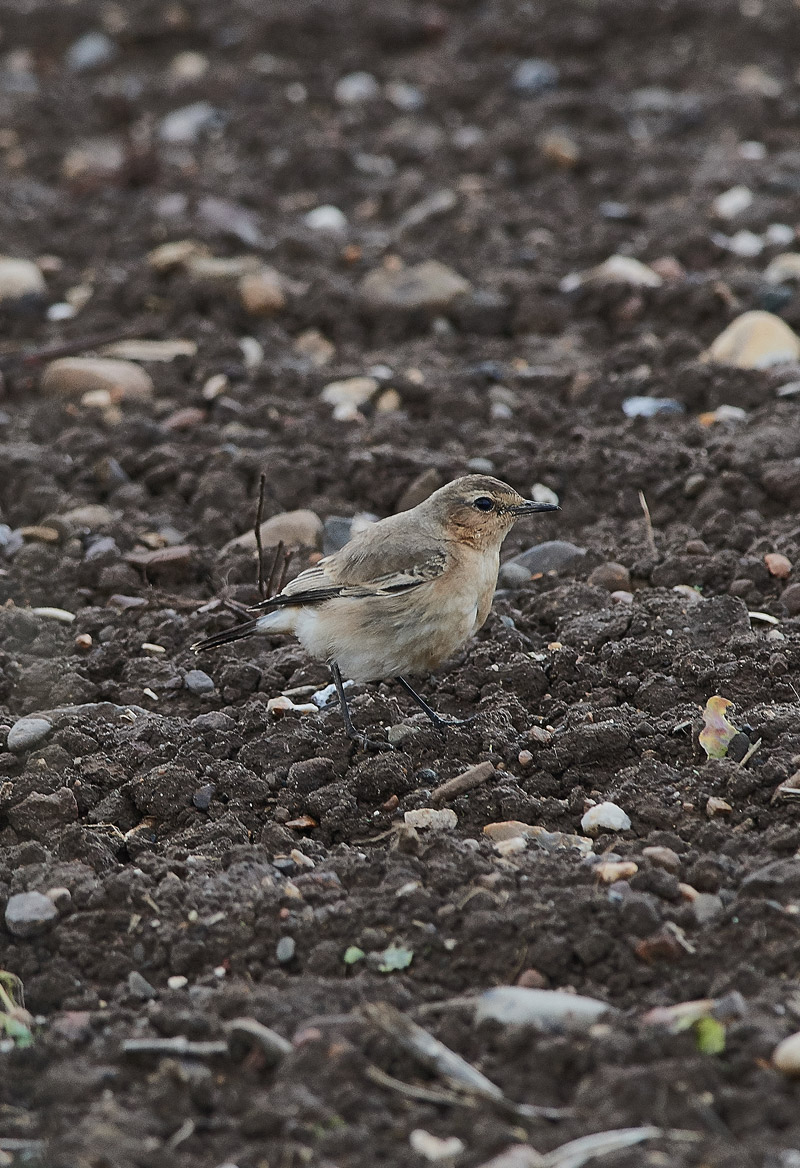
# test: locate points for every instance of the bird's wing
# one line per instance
(373, 574)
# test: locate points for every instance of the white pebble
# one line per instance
(56, 614)
(786, 1056)
(404, 96)
(752, 151)
(61, 311)
(434, 1149)
(326, 218)
(745, 244)
(542, 494)
(429, 817)
(252, 352)
(779, 234)
(177, 982)
(605, 817)
(355, 88)
(732, 202)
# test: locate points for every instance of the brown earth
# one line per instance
(170, 825)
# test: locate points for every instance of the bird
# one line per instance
(403, 595)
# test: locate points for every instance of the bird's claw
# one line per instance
(442, 723)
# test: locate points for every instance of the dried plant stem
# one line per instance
(262, 486)
(648, 523)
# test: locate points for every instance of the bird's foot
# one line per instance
(442, 723)
(370, 745)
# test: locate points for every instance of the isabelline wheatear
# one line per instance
(404, 594)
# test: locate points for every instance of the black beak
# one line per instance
(530, 507)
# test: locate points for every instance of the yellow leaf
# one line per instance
(717, 733)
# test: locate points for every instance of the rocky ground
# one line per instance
(368, 237)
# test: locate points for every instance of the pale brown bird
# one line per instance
(404, 594)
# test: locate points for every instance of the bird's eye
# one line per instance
(484, 503)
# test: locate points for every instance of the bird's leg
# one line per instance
(349, 728)
(437, 719)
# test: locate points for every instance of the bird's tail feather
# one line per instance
(223, 638)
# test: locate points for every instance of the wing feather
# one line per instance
(332, 578)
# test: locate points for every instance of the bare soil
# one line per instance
(172, 827)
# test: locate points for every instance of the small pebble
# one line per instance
(650, 407)
(429, 817)
(427, 287)
(778, 565)
(611, 576)
(177, 982)
(91, 51)
(605, 817)
(28, 732)
(29, 913)
(139, 987)
(716, 806)
(326, 218)
(732, 202)
(355, 88)
(663, 857)
(203, 796)
(539, 492)
(610, 871)
(284, 950)
(755, 340)
(434, 1149)
(533, 77)
(83, 642)
(617, 269)
(786, 1056)
(262, 292)
(74, 376)
(294, 529)
(791, 598)
(185, 125)
(20, 279)
(198, 682)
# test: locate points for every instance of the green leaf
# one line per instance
(353, 954)
(395, 957)
(710, 1036)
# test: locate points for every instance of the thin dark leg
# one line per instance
(349, 728)
(437, 719)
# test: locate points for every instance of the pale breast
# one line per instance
(412, 632)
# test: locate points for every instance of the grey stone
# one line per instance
(336, 533)
(186, 124)
(427, 287)
(91, 51)
(707, 907)
(29, 913)
(198, 682)
(214, 720)
(534, 76)
(27, 733)
(140, 987)
(553, 556)
(203, 796)
(513, 575)
(284, 950)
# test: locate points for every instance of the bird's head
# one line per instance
(480, 510)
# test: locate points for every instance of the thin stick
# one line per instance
(66, 348)
(274, 576)
(262, 486)
(753, 748)
(423, 1094)
(286, 561)
(648, 522)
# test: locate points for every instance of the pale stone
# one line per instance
(292, 528)
(755, 340)
(19, 278)
(605, 817)
(74, 376)
(261, 292)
